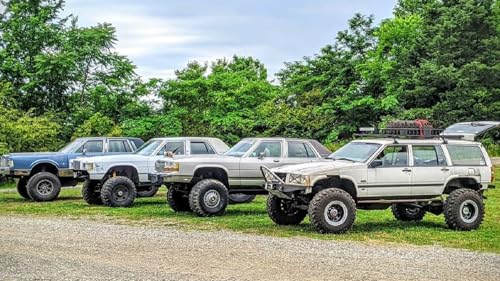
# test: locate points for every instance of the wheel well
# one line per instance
(461, 183)
(210, 173)
(44, 167)
(337, 182)
(122, 171)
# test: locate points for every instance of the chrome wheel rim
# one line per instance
(120, 193)
(469, 211)
(335, 213)
(211, 198)
(44, 187)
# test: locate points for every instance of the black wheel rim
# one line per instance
(120, 193)
(44, 187)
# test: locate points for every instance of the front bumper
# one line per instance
(160, 178)
(276, 186)
(5, 171)
(8, 172)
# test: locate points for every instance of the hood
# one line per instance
(313, 168)
(113, 158)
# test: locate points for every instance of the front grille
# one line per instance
(4, 161)
(75, 165)
(282, 176)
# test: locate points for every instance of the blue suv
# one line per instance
(41, 174)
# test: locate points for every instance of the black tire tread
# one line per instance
(22, 189)
(89, 194)
(277, 216)
(194, 197)
(453, 201)
(148, 193)
(176, 201)
(107, 189)
(315, 214)
(236, 200)
(31, 186)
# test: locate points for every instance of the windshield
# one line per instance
(240, 148)
(72, 146)
(469, 128)
(355, 151)
(149, 147)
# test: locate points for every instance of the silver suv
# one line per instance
(412, 177)
(203, 184)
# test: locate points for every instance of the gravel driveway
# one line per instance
(60, 249)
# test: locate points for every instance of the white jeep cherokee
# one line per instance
(412, 176)
(116, 180)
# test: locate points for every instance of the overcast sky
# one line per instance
(161, 36)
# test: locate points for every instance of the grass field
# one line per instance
(370, 226)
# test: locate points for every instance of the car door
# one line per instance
(175, 147)
(299, 152)
(266, 152)
(389, 173)
(91, 148)
(430, 170)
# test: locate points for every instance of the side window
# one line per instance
(394, 156)
(119, 146)
(92, 146)
(201, 148)
(177, 147)
(429, 155)
(268, 148)
(300, 150)
(462, 155)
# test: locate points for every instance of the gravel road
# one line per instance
(63, 249)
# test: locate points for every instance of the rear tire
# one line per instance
(177, 200)
(464, 209)
(240, 198)
(149, 192)
(281, 212)
(89, 193)
(208, 197)
(43, 186)
(406, 213)
(332, 211)
(22, 189)
(118, 192)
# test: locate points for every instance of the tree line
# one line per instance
(434, 59)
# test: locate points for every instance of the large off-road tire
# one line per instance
(240, 198)
(332, 211)
(208, 197)
(464, 209)
(22, 189)
(281, 211)
(43, 186)
(177, 200)
(407, 213)
(150, 191)
(89, 193)
(118, 192)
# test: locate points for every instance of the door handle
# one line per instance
(445, 169)
(406, 170)
(276, 160)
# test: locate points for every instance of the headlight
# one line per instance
(88, 166)
(10, 163)
(166, 166)
(299, 179)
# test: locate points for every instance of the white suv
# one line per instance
(412, 176)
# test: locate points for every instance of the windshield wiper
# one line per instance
(343, 158)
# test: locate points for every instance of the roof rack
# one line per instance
(403, 133)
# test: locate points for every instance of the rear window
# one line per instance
(462, 155)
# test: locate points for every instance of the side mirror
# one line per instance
(84, 151)
(375, 163)
(169, 154)
(261, 155)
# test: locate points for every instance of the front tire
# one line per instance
(89, 193)
(282, 212)
(43, 186)
(150, 191)
(22, 189)
(208, 197)
(332, 211)
(464, 209)
(177, 200)
(118, 192)
(406, 213)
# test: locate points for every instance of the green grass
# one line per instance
(370, 226)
